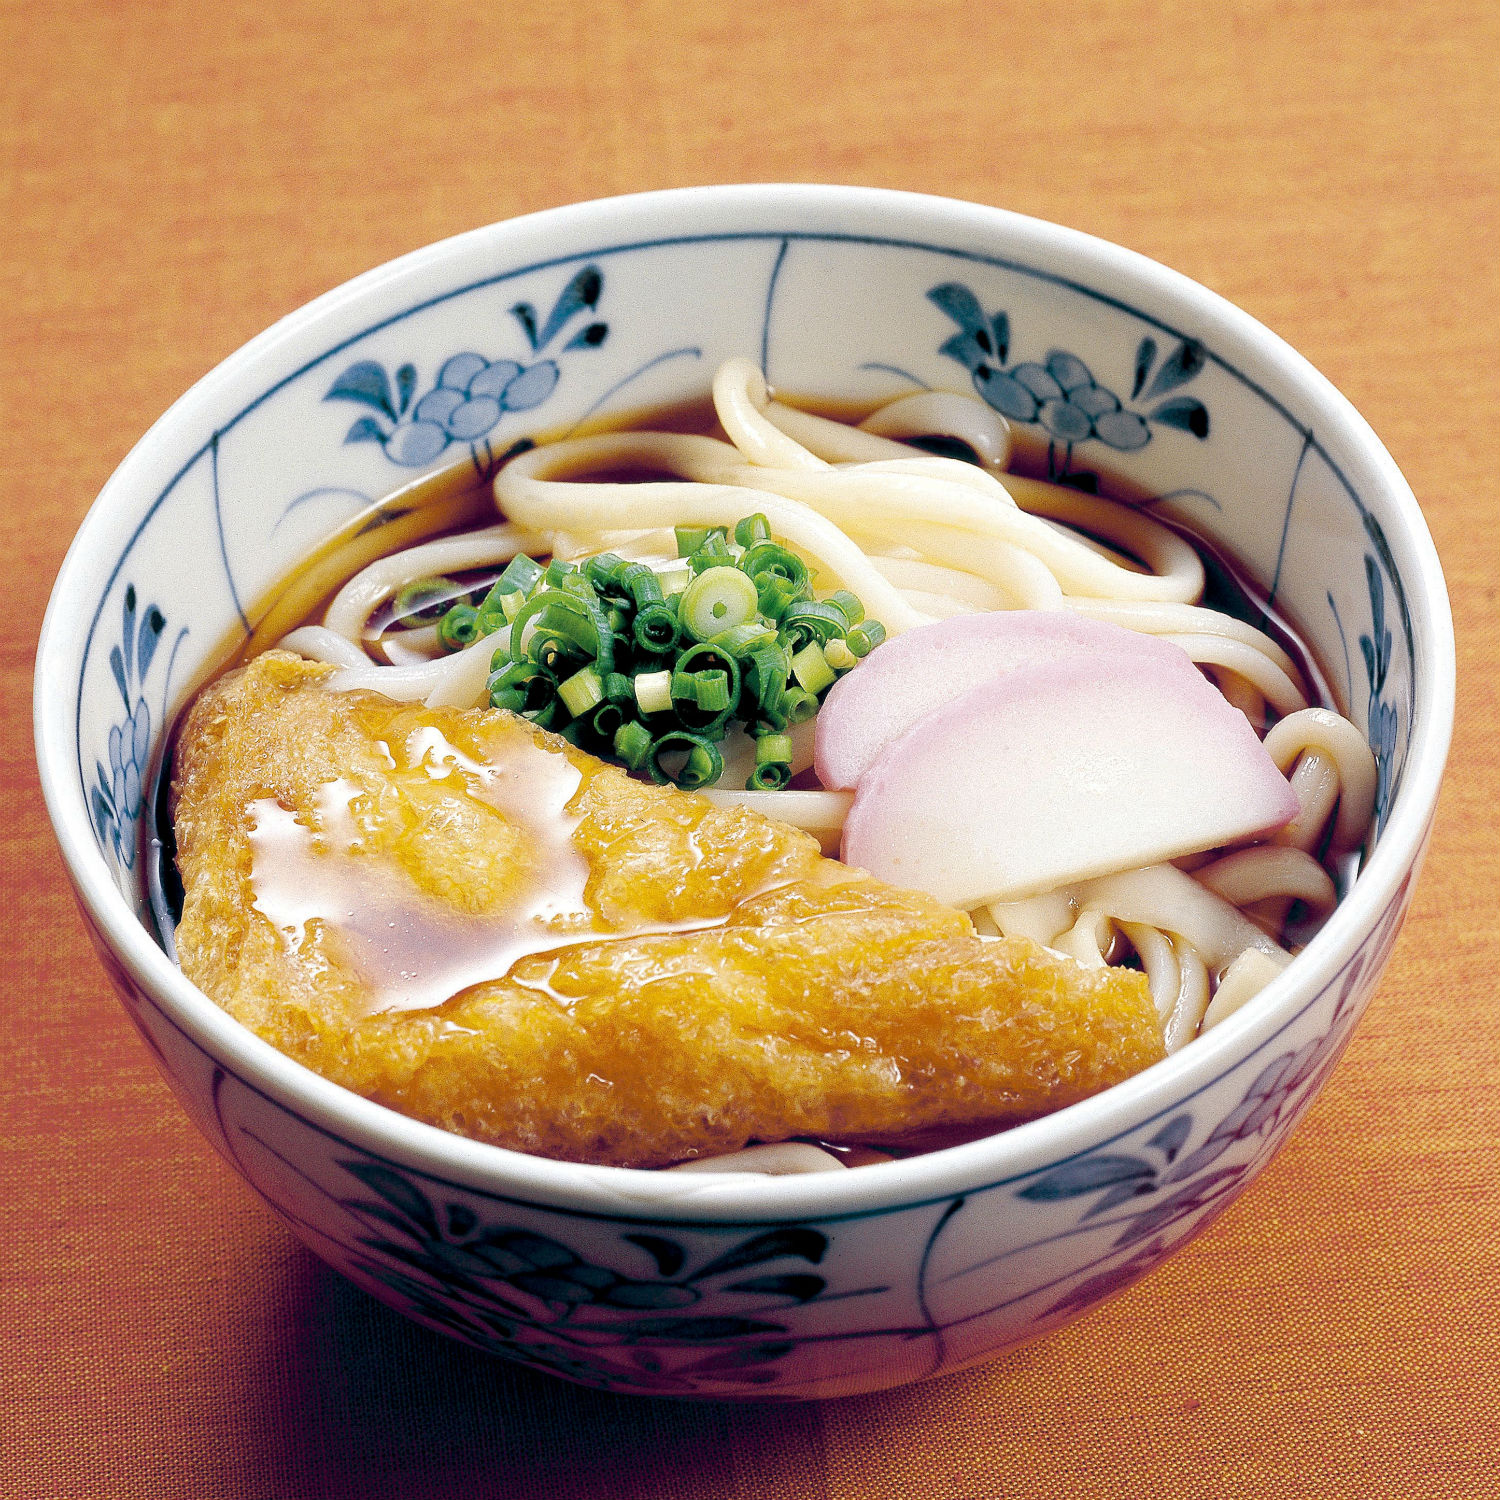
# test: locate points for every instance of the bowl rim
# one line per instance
(624, 1194)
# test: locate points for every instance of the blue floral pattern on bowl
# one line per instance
(471, 393)
(1059, 393)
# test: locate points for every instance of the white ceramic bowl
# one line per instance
(698, 1285)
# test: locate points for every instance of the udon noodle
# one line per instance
(918, 537)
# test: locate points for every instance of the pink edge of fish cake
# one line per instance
(1060, 772)
(911, 675)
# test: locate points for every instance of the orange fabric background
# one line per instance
(176, 175)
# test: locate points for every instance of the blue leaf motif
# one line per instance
(391, 1185)
(800, 1288)
(1145, 357)
(1000, 323)
(1087, 1175)
(806, 1244)
(581, 292)
(1185, 412)
(967, 350)
(1179, 367)
(365, 382)
(406, 383)
(127, 635)
(151, 628)
(1170, 1138)
(962, 306)
(117, 667)
(1122, 1192)
(667, 1254)
(366, 430)
(589, 338)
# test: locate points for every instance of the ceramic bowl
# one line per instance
(702, 1285)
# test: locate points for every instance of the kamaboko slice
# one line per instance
(1062, 771)
(909, 676)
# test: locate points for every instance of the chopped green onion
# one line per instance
(459, 627)
(706, 657)
(773, 747)
(711, 690)
(524, 688)
(798, 705)
(839, 656)
(642, 582)
(717, 600)
(863, 639)
(618, 688)
(810, 668)
(770, 777)
(691, 538)
(813, 620)
(656, 627)
(743, 639)
(772, 557)
(511, 604)
(521, 574)
(424, 601)
(557, 570)
(653, 691)
(674, 578)
(581, 692)
(702, 766)
(633, 743)
(603, 570)
(751, 530)
(849, 606)
(713, 553)
(775, 594)
(607, 720)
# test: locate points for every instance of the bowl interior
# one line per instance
(1105, 362)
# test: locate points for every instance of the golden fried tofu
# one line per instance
(469, 920)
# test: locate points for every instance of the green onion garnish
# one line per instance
(717, 600)
(653, 691)
(863, 639)
(752, 529)
(702, 763)
(581, 692)
(633, 744)
(810, 668)
(838, 654)
(459, 627)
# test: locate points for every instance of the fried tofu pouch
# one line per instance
(719, 982)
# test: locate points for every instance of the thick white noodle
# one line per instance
(1158, 957)
(318, 643)
(951, 583)
(1269, 870)
(1315, 784)
(1321, 729)
(833, 442)
(450, 682)
(1155, 618)
(1162, 896)
(946, 414)
(1158, 546)
(740, 399)
(1192, 1001)
(1256, 668)
(525, 490)
(1088, 939)
(372, 586)
(887, 498)
(1040, 918)
(1026, 581)
(1243, 980)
